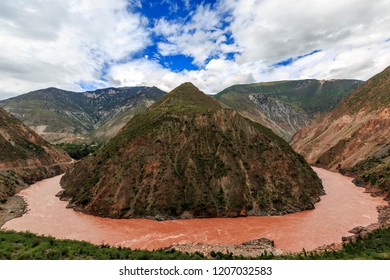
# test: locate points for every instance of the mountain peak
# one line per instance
(188, 157)
(188, 97)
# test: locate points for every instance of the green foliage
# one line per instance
(76, 113)
(187, 98)
(312, 96)
(373, 170)
(28, 246)
(372, 95)
(78, 151)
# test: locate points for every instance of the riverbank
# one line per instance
(28, 246)
(15, 179)
(13, 208)
(344, 207)
(266, 247)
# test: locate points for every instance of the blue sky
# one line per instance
(87, 44)
(176, 12)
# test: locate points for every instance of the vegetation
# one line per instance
(26, 246)
(78, 151)
(17, 142)
(186, 155)
(374, 170)
(312, 96)
(66, 114)
(374, 246)
(372, 95)
(286, 106)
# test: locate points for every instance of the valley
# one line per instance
(343, 208)
(354, 137)
(25, 158)
(195, 130)
(184, 171)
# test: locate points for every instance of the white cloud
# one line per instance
(217, 74)
(60, 43)
(351, 35)
(272, 31)
(202, 37)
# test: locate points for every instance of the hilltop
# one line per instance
(185, 157)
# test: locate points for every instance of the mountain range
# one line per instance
(186, 157)
(66, 116)
(286, 106)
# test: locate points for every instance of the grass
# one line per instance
(28, 246)
(78, 151)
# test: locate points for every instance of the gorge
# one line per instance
(344, 207)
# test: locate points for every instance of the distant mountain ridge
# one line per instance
(59, 115)
(185, 157)
(286, 106)
(65, 116)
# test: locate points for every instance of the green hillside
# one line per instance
(66, 116)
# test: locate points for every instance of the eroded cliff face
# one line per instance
(286, 106)
(188, 157)
(25, 157)
(355, 136)
(284, 120)
(344, 142)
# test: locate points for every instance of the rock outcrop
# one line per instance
(286, 106)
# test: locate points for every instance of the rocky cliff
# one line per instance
(25, 157)
(187, 157)
(355, 136)
(286, 106)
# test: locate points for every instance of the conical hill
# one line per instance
(188, 157)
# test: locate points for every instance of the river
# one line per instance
(344, 207)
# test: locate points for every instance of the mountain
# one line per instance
(59, 115)
(186, 156)
(286, 106)
(25, 157)
(355, 136)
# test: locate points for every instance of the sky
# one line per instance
(88, 44)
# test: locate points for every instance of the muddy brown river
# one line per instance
(344, 207)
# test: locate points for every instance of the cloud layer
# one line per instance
(84, 43)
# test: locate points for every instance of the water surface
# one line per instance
(344, 207)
